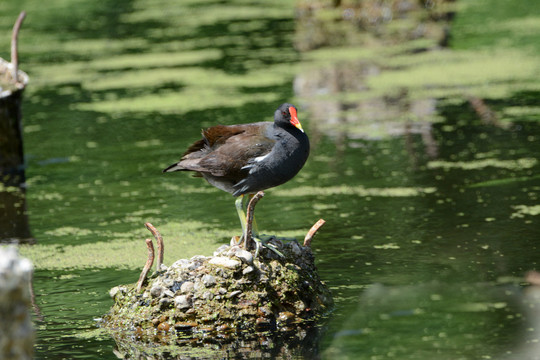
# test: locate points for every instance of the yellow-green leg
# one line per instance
(241, 204)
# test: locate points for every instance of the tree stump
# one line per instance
(11, 142)
(13, 219)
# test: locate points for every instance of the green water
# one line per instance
(424, 249)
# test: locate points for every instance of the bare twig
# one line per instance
(311, 233)
(160, 245)
(148, 265)
(35, 306)
(249, 216)
(14, 50)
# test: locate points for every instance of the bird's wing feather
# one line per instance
(231, 158)
(222, 151)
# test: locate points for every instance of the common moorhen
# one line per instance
(245, 159)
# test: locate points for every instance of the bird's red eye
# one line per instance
(284, 113)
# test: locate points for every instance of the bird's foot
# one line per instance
(266, 241)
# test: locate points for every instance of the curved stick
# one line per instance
(249, 215)
(160, 245)
(148, 265)
(14, 51)
(35, 306)
(311, 233)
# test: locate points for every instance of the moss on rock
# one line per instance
(228, 294)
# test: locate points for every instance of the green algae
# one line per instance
(151, 60)
(184, 58)
(126, 250)
(358, 190)
(379, 337)
(174, 102)
(448, 73)
(516, 165)
(505, 181)
(522, 210)
(442, 73)
(420, 69)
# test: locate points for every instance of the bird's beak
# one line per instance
(294, 119)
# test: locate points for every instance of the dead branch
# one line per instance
(249, 216)
(14, 49)
(148, 265)
(160, 245)
(35, 306)
(311, 233)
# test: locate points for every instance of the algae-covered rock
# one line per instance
(227, 295)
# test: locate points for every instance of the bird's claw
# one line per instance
(264, 240)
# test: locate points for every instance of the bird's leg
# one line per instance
(239, 203)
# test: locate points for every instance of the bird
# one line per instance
(247, 158)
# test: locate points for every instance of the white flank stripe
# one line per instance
(261, 158)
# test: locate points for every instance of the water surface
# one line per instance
(432, 216)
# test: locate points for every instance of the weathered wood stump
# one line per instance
(14, 226)
(11, 141)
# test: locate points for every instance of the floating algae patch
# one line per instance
(445, 73)
(519, 164)
(522, 210)
(152, 60)
(355, 190)
(126, 251)
(505, 181)
(175, 102)
(422, 72)
(220, 299)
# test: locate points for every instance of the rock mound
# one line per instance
(230, 294)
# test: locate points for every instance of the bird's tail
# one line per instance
(174, 167)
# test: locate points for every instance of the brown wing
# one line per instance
(225, 150)
(214, 135)
(231, 158)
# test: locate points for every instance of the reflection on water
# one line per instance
(431, 211)
(302, 343)
(528, 345)
(14, 225)
(341, 106)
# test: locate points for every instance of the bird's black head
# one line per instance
(285, 116)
